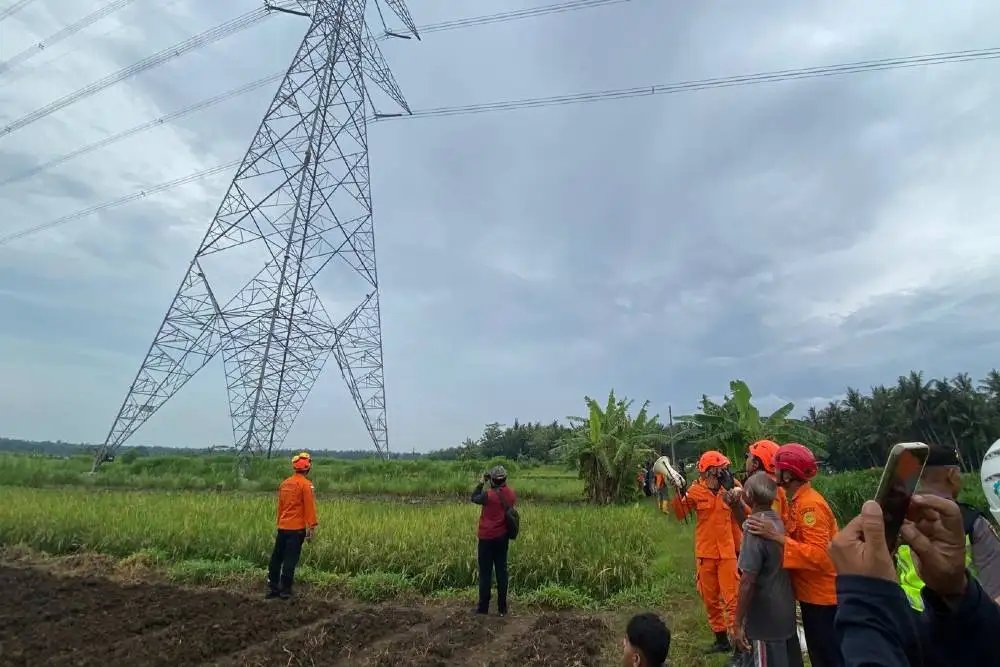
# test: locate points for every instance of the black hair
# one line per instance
(650, 636)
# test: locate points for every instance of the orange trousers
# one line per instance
(718, 585)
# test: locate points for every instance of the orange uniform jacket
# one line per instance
(813, 526)
(296, 504)
(716, 535)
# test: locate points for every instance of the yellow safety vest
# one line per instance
(909, 579)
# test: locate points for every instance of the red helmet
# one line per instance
(796, 459)
(711, 459)
(765, 451)
(301, 462)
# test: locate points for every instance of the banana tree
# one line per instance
(608, 445)
(733, 425)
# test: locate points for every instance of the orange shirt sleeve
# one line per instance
(309, 505)
(815, 532)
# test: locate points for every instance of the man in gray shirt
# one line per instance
(765, 608)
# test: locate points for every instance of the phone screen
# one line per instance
(899, 482)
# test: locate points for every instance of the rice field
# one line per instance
(599, 554)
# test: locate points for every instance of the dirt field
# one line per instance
(64, 615)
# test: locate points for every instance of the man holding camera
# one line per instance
(715, 544)
(495, 497)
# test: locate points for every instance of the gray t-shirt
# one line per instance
(771, 614)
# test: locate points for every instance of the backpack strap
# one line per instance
(502, 501)
(970, 515)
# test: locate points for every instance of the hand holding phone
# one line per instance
(899, 481)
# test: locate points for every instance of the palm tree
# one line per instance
(733, 425)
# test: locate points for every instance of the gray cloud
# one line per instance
(804, 236)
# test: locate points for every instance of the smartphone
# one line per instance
(899, 481)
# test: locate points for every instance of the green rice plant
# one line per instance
(597, 551)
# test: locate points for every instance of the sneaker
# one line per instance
(272, 594)
(285, 595)
(481, 612)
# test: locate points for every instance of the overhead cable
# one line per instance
(16, 7)
(63, 33)
(708, 84)
(200, 106)
(190, 178)
(624, 93)
(210, 36)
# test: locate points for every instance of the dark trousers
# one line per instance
(493, 556)
(284, 558)
(817, 623)
(786, 653)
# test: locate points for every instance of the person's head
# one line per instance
(794, 464)
(302, 463)
(942, 473)
(646, 643)
(760, 491)
(710, 466)
(498, 475)
(760, 456)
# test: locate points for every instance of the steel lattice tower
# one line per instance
(301, 197)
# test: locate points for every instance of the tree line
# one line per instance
(852, 433)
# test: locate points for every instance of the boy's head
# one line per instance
(646, 643)
(760, 491)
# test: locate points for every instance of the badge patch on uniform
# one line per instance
(776, 506)
(809, 518)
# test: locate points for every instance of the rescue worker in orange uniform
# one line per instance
(296, 524)
(714, 544)
(760, 457)
(813, 526)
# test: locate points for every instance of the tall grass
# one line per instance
(597, 551)
(452, 479)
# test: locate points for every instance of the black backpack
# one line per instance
(511, 518)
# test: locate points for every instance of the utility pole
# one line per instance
(299, 205)
(673, 454)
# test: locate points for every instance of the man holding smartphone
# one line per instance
(942, 477)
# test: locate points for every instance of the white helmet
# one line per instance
(990, 473)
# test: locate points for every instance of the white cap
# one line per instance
(990, 474)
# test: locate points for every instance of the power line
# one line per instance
(559, 8)
(137, 129)
(16, 7)
(623, 93)
(63, 33)
(708, 84)
(519, 14)
(190, 178)
(210, 36)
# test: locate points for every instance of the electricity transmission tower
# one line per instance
(300, 203)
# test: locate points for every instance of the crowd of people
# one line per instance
(766, 544)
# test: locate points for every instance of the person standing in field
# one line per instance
(296, 524)
(495, 497)
(765, 607)
(714, 544)
(813, 526)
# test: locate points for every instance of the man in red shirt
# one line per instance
(296, 524)
(493, 536)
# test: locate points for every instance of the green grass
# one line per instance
(445, 479)
(600, 553)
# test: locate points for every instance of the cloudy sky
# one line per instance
(804, 236)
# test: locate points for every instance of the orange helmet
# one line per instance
(711, 459)
(765, 451)
(301, 462)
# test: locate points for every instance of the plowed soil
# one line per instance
(73, 618)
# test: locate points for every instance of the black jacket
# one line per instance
(877, 627)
